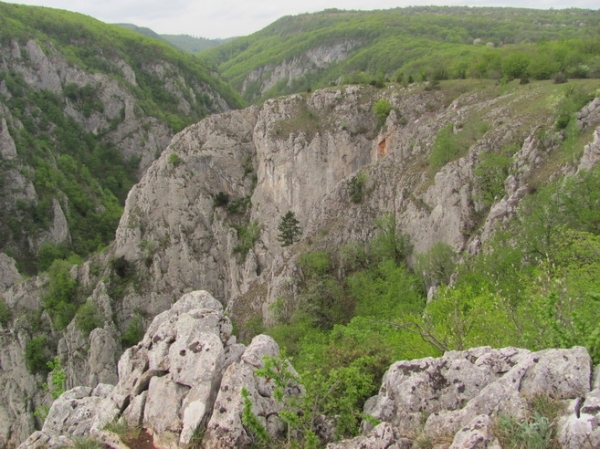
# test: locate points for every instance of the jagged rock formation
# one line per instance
(111, 108)
(295, 153)
(458, 397)
(186, 374)
(262, 79)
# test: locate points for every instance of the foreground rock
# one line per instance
(170, 382)
(455, 400)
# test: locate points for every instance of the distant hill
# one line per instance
(183, 42)
(142, 30)
(296, 53)
(191, 44)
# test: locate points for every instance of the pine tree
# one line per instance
(289, 229)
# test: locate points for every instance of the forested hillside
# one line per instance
(297, 53)
(85, 108)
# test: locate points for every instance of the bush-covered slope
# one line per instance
(311, 50)
(84, 108)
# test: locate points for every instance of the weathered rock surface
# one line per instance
(462, 393)
(186, 374)
(295, 153)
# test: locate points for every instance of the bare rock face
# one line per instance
(8, 272)
(186, 374)
(265, 77)
(461, 393)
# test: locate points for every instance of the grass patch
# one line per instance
(303, 120)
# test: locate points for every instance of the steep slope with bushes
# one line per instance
(454, 192)
(297, 53)
(85, 107)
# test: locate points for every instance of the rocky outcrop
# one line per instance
(108, 107)
(184, 223)
(458, 397)
(185, 376)
(263, 78)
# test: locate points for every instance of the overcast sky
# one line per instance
(226, 18)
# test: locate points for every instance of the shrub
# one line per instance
(221, 199)
(134, 332)
(247, 237)
(88, 318)
(60, 297)
(382, 109)
(175, 160)
(37, 356)
(5, 313)
(356, 187)
(315, 264)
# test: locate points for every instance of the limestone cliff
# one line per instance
(53, 104)
(187, 223)
(188, 380)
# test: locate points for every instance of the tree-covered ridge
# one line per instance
(96, 46)
(405, 42)
(77, 137)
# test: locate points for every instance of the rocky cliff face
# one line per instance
(261, 80)
(106, 107)
(187, 224)
(185, 376)
(188, 377)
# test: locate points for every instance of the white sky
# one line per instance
(226, 18)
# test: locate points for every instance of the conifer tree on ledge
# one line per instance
(289, 229)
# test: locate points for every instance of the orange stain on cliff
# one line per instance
(383, 149)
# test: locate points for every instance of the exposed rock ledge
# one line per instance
(188, 373)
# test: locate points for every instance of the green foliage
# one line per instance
(175, 160)
(37, 355)
(88, 318)
(5, 313)
(382, 109)
(426, 43)
(315, 263)
(289, 229)
(58, 378)
(445, 148)
(533, 433)
(388, 244)
(449, 146)
(59, 299)
(253, 424)
(337, 395)
(221, 199)
(87, 443)
(436, 266)
(356, 187)
(134, 332)
(247, 236)
(49, 252)
(41, 412)
(120, 427)
(491, 172)
(572, 101)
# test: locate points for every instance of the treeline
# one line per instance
(415, 42)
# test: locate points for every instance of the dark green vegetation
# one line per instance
(415, 44)
(360, 307)
(83, 170)
(534, 286)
